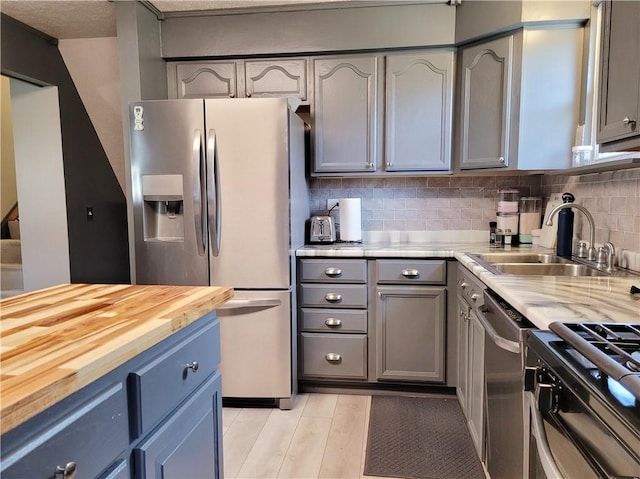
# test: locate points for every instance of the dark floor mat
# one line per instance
(419, 438)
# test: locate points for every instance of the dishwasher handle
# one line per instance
(502, 343)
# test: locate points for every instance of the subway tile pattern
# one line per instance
(437, 203)
(613, 198)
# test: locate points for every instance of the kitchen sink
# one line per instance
(507, 257)
(548, 269)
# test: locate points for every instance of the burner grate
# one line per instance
(612, 348)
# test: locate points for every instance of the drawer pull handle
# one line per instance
(333, 297)
(474, 296)
(333, 322)
(333, 272)
(333, 357)
(193, 366)
(463, 284)
(410, 273)
(68, 471)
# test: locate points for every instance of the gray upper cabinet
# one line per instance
(269, 78)
(215, 79)
(419, 102)
(345, 113)
(619, 108)
(486, 103)
(519, 99)
(239, 78)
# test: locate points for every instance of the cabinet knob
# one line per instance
(68, 471)
(333, 322)
(501, 160)
(333, 357)
(193, 366)
(248, 94)
(474, 296)
(628, 122)
(463, 284)
(232, 95)
(410, 273)
(333, 297)
(333, 272)
(370, 165)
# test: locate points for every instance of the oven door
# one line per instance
(572, 443)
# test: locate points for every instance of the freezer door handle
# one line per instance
(213, 194)
(250, 303)
(198, 213)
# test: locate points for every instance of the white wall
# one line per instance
(8, 191)
(40, 180)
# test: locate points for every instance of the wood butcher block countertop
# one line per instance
(55, 341)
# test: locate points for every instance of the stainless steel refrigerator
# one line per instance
(220, 198)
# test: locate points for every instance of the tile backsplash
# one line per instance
(422, 203)
(612, 198)
(442, 203)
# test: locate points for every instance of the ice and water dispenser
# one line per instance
(163, 208)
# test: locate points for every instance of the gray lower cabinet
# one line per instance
(518, 104)
(475, 382)
(619, 105)
(372, 321)
(410, 333)
(470, 387)
(333, 319)
(183, 446)
(162, 410)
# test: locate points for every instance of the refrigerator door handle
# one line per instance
(213, 194)
(198, 213)
(250, 303)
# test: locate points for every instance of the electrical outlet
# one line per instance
(331, 203)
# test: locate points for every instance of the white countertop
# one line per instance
(542, 299)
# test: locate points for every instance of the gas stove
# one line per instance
(604, 351)
(585, 383)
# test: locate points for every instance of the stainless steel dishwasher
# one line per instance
(504, 356)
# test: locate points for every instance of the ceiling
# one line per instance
(65, 19)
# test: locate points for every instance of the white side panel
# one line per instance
(40, 180)
(252, 142)
(256, 345)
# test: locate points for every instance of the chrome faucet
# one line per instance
(591, 252)
(608, 253)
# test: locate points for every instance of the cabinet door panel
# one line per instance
(486, 103)
(206, 80)
(345, 93)
(270, 78)
(620, 84)
(463, 355)
(410, 333)
(186, 445)
(475, 413)
(418, 111)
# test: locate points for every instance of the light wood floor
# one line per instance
(323, 436)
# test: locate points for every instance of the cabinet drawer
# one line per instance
(334, 355)
(333, 271)
(168, 379)
(91, 436)
(414, 272)
(334, 296)
(335, 320)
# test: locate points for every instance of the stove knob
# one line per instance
(547, 398)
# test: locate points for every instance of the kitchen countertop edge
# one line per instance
(541, 299)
